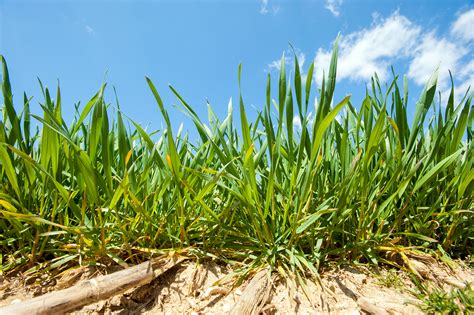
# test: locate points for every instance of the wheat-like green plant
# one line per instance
(258, 192)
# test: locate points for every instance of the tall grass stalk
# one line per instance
(254, 192)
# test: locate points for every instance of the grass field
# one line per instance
(252, 193)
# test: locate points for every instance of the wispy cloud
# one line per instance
(289, 60)
(376, 48)
(463, 27)
(435, 52)
(467, 74)
(297, 121)
(371, 50)
(451, 52)
(297, 124)
(89, 29)
(334, 6)
(266, 8)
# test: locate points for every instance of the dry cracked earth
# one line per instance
(210, 288)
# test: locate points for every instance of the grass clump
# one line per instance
(261, 192)
(437, 301)
(390, 279)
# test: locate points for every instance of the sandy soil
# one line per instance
(208, 288)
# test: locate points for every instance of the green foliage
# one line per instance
(391, 279)
(348, 188)
(437, 301)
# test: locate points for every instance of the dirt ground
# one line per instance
(208, 288)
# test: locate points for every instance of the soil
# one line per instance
(209, 288)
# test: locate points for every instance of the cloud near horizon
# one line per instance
(371, 50)
(375, 49)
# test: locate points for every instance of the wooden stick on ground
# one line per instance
(255, 295)
(92, 290)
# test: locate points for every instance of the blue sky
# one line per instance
(197, 45)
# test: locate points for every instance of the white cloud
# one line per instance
(466, 74)
(334, 6)
(340, 116)
(89, 29)
(467, 69)
(371, 50)
(297, 121)
(276, 64)
(289, 60)
(451, 52)
(264, 8)
(435, 52)
(321, 63)
(396, 38)
(461, 88)
(463, 27)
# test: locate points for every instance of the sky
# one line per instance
(196, 46)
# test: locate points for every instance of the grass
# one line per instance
(390, 279)
(437, 301)
(252, 193)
